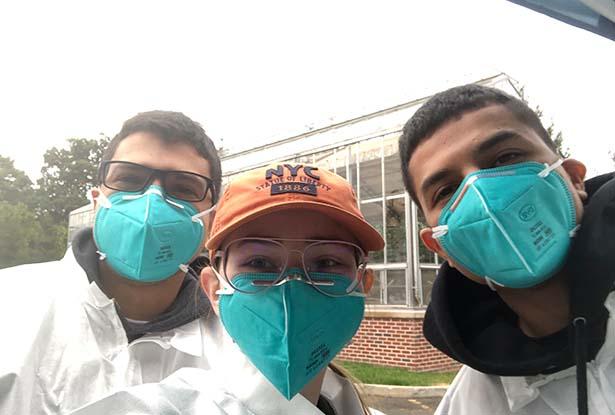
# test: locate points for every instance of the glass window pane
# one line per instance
(396, 287)
(341, 160)
(371, 169)
(373, 214)
(425, 255)
(427, 278)
(375, 296)
(325, 160)
(371, 179)
(352, 177)
(394, 184)
(396, 230)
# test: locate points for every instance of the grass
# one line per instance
(381, 375)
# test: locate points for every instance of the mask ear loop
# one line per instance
(549, 168)
(198, 216)
(227, 289)
(101, 199)
(492, 284)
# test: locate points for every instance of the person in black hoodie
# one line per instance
(524, 297)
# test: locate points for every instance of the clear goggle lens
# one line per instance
(319, 259)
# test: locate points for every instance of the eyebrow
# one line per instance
(491, 142)
(496, 139)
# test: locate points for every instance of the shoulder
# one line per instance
(473, 392)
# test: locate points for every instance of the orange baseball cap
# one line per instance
(286, 186)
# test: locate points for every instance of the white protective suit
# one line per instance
(232, 386)
(67, 349)
(64, 344)
(193, 391)
(474, 393)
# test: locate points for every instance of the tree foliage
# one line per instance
(557, 137)
(66, 176)
(15, 185)
(18, 221)
(34, 219)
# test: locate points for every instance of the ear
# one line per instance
(208, 221)
(576, 171)
(368, 280)
(431, 243)
(210, 284)
(92, 195)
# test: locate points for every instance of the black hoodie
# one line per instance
(470, 323)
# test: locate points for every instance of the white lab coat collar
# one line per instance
(102, 313)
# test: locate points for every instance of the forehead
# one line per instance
(150, 150)
(292, 223)
(454, 145)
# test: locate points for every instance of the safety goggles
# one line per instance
(132, 177)
(319, 260)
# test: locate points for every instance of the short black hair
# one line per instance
(452, 104)
(172, 127)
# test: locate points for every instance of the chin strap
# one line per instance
(580, 354)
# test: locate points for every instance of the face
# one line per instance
(485, 138)
(287, 224)
(149, 150)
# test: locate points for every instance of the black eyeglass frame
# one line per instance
(162, 174)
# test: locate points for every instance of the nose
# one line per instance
(295, 259)
(156, 179)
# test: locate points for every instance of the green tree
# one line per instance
(18, 221)
(557, 137)
(15, 185)
(66, 176)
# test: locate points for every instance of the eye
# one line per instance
(260, 263)
(326, 263)
(508, 157)
(444, 193)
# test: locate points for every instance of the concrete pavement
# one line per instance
(403, 406)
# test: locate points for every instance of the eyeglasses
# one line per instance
(319, 259)
(132, 177)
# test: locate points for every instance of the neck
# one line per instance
(311, 391)
(543, 309)
(136, 300)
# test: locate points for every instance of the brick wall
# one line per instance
(395, 338)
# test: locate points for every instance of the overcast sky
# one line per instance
(256, 70)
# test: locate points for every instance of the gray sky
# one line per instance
(252, 71)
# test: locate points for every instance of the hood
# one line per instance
(471, 324)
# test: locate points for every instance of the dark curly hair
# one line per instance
(172, 126)
(452, 104)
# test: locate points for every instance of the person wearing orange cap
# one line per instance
(289, 248)
(288, 281)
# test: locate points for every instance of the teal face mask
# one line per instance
(510, 225)
(147, 237)
(290, 331)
